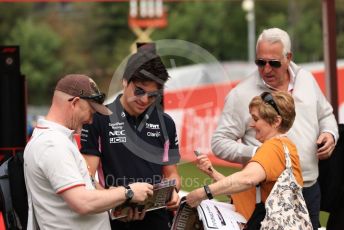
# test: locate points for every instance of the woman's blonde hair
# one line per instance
(285, 109)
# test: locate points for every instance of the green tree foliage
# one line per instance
(215, 26)
(40, 63)
(340, 27)
(109, 40)
(94, 37)
(10, 13)
(306, 36)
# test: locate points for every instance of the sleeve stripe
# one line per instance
(67, 188)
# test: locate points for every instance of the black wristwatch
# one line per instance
(208, 192)
(129, 194)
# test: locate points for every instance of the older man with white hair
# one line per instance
(314, 131)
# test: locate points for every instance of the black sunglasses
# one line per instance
(98, 98)
(139, 92)
(267, 98)
(272, 63)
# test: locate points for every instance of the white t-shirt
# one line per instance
(52, 165)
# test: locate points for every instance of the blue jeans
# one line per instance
(312, 197)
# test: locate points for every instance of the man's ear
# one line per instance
(74, 101)
(290, 56)
(125, 83)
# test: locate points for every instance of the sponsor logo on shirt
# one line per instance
(152, 126)
(117, 133)
(176, 140)
(84, 133)
(153, 134)
(114, 140)
(117, 125)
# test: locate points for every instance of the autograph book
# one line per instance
(162, 193)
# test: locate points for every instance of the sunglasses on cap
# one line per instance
(273, 63)
(98, 98)
(267, 98)
(139, 92)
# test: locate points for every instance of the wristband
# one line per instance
(208, 192)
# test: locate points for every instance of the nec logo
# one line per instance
(117, 133)
(117, 140)
(152, 126)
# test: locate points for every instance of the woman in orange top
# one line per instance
(272, 116)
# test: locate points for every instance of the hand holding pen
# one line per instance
(203, 162)
(205, 165)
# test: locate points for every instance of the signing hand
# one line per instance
(204, 164)
(141, 191)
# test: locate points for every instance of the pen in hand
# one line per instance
(197, 153)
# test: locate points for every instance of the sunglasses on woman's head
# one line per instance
(267, 98)
(273, 63)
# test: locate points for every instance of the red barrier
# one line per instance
(196, 112)
(2, 222)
